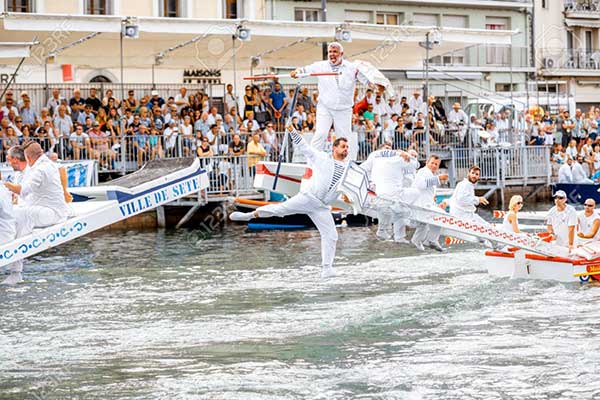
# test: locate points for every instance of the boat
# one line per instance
(578, 192)
(158, 183)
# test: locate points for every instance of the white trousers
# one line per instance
(387, 218)
(6, 237)
(320, 214)
(342, 123)
(30, 217)
(425, 233)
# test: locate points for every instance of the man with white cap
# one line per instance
(459, 120)
(336, 95)
(415, 103)
(562, 220)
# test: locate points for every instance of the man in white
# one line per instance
(459, 120)
(562, 220)
(314, 199)
(565, 174)
(42, 187)
(336, 95)
(8, 232)
(415, 103)
(386, 169)
(579, 175)
(425, 184)
(463, 202)
(588, 223)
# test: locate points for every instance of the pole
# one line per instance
(46, 79)
(234, 61)
(153, 83)
(122, 85)
(324, 19)
(12, 78)
(512, 102)
(426, 95)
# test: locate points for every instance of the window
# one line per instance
(456, 21)
(497, 23)
(170, 8)
(231, 9)
(307, 14)
(425, 19)
(97, 7)
(545, 4)
(25, 6)
(388, 19)
(497, 55)
(506, 87)
(361, 17)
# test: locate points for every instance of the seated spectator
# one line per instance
(369, 114)
(156, 100)
(80, 143)
(204, 149)
(579, 174)
(87, 113)
(131, 102)
(213, 115)
(237, 146)
(93, 100)
(565, 174)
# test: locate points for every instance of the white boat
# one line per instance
(158, 183)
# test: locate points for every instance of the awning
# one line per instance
(210, 43)
(15, 50)
(585, 23)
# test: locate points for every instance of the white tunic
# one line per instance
(425, 183)
(579, 175)
(386, 170)
(585, 225)
(565, 175)
(326, 172)
(336, 92)
(42, 187)
(463, 198)
(561, 221)
(8, 228)
(458, 116)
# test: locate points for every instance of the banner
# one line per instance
(79, 173)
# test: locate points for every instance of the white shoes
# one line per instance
(383, 235)
(436, 246)
(418, 245)
(327, 272)
(401, 241)
(13, 279)
(240, 216)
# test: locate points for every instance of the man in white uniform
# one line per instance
(314, 199)
(579, 175)
(588, 223)
(336, 94)
(386, 169)
(458, 118)
(463, 203)
(562, 220)
(425, 184)
(565, 174)
(42, 187)
(8, 232)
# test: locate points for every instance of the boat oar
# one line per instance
(281, 76)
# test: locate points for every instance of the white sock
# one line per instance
(240, 216)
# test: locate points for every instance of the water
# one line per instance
(175, 315)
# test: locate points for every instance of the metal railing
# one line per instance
(578, 59)
(582, 5)
(484, 56)
(503, 164)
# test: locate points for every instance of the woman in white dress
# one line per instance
(511, 220)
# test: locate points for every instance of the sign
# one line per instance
(207, 76)
(79, 173)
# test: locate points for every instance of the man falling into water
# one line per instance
(314, 199)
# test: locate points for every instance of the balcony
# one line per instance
(484, 58)
(578, 62)
(585, 9)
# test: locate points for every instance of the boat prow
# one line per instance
(125, 198)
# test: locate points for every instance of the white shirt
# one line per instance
(561, 221)
(382, 109)
(255, 125)
(425, 182)
(463, 198)
(385, 169)
(506, 225)
(326, 172)
(565, 175)
(212, 119)
(42, 187)
(8, 224)
(170, 135)
(415, 104)
(336, 92)
(585, 225)
(571, 151)
(458, 116)
(579, 175)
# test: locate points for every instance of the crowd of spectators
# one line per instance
(149, 126)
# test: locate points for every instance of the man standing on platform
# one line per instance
(336, 95)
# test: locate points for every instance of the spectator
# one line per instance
(270, 139)
(300, 114)
(187, 132)
(415, 103)
(305, 101)
(28, 114)
(80, 143)
(93, 101)
(278, 103)
(565, 174)
(54, 101)
(181, 100)
(369, 114)
(64, 127)
(213, 115)
(571, 150)
(9, 106)
(87, 113)
(131, 102)
(170, 138)
(381, 108)
(156, 100)
(230, 99)
(77, 104)
(204, 149)
(237, 146)
(249, 125)
(141, 145)
(109, 100)
(568, 124)
(255, 152)
(579, 175)
(158, 121)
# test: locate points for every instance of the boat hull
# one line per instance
(577, 193)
